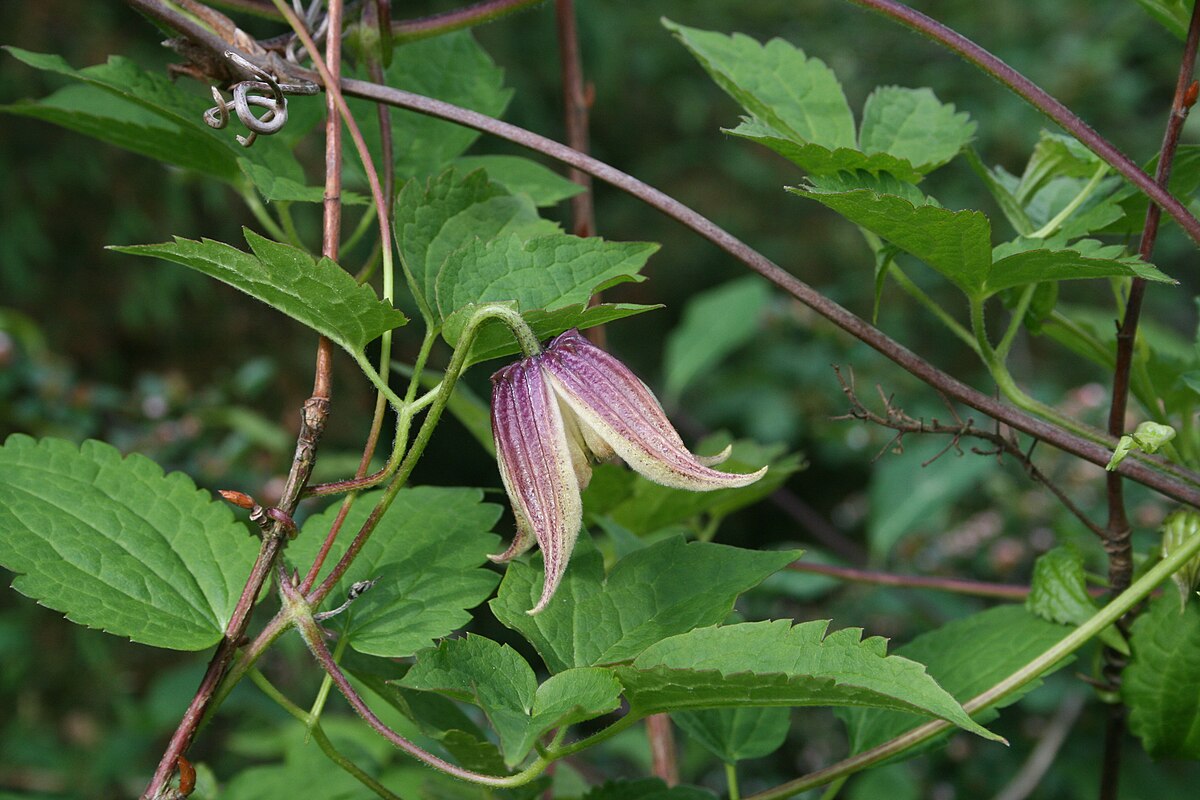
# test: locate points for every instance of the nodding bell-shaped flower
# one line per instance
(555, 413)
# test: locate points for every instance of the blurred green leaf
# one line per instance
(967, 657)
(425, 556)
(319, 294)
(646, 789)
(1059, 593)
(522, 176)
(1173, 15)
(776, 664)
(661, 590)
(714, 325)
(737, 734)
(116, 545)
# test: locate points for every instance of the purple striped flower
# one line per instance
(557, 412)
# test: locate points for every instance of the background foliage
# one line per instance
(196, 376)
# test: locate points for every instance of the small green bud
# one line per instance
(1148, 437)
(1177, 529)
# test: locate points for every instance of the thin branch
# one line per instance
(468, 17)
(664, 759)
(1044, 754)
(1182, 488)
(1040, 99)
(997, 591)
(575, 112)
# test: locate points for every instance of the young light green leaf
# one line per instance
(521, 175)
(1055, 155)
(739, 733)
(115, 544)
(1059, 593)
(546, 273)
(714, 325)
(967, 657)
(1161, 686)
(495, 678)
(776, 664)
(661, 590)
(426, 556)
(1147, 437)
(795, 95)
(913, 125)
(319, 294)
(817, 159)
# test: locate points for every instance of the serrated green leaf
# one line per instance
(817, 159)
(646, 789)
(437, 216)
(1055, 155)
(319, 294)
(913, 125)
(715, 324)
(426, 556)
(955, 243)
(1001, 184)
(666, 588)
(737, 734)
(776, 664)
(521, 175)
(115, 544)
(1059, 593)
(452, 67)
(1161, 685)
(967, 657)
(499, 681)
(543, 273)
(797, 96)
(1035, 266)
(178, 134)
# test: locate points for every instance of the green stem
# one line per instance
(250, 198)
(318, 733)
(917, 293)
(289, 224)
(1053, 225)
(360, 230)
(1010, 685)
(1014, 323)
(731, 781)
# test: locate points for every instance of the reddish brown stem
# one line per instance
(997, 591)
(664, 760)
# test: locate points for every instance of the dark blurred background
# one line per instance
(158, 359)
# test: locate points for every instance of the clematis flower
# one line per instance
(557, 412)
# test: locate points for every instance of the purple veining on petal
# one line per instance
(606, 395)
(535, 465)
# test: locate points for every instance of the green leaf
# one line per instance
(820, 160)
(714, 325)
(116, 545)
(494, 340)
(1161, 686)
(643, 506)
(1059, 593)
(795, 95)
(646, 789)
(1055, 155)
(452, 67)
(955, 243)
(521, 175)
(437, 216)
(1173, 15)
(280, 188)
(496, 678)
(319, 294)
(967, 657)
(544, 273)
(739, 733)
(661, 590)
(776, 664)
(425, 555)
(1034, 266)
(912, 125)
